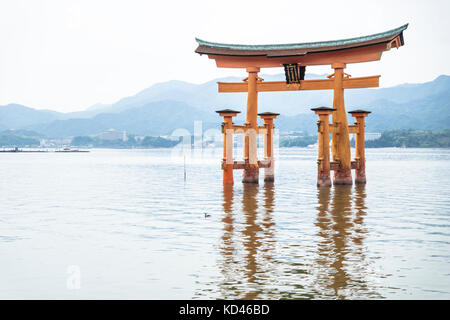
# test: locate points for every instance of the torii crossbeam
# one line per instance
(294, 58)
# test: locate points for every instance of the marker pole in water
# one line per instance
(184, 167)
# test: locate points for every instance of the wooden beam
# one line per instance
(362, 82)
(353, 129)
(335, 165)
(261, 164)
(238, 164)
(264, 163)
(243, 129)
(354, 55)
(322, 84)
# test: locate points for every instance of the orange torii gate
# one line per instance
(294, 58)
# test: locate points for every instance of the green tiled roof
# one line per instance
(304, 45)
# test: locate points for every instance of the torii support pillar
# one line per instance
(341, 140)
(268, 145)
(251, 169)
(227, 130)
(360, 151)
(323, 161)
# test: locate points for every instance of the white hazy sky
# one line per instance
(68, 55)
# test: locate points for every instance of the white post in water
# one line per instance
(184, 167)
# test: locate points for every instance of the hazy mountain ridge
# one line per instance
(205, 96)
(166, 106)
(150, 119)
(16, 116)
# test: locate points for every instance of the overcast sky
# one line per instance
(68, 55)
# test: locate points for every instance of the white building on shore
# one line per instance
(112, 134)
(372, 135)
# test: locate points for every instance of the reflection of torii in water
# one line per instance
(245, 276)
(250, 267)
(341, 264)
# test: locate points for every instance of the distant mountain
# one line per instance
(19, 138)
(23, 133)
(164, 107)
(16, 116)
(428, 113)
(400, 94)
(205, 96)
(154, 118)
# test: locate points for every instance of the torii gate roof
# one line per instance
(352, 50)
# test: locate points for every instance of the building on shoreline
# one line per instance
(112, 134)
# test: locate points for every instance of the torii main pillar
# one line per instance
(251, 170)
(341, 142)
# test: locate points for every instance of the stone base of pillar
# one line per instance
(323, 179)
(251, 174)
(269, 175)
(228, 174)
(360, 177)
(343, 177)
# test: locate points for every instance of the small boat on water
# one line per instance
(67, 149)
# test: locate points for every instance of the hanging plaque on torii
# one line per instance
(294, 58)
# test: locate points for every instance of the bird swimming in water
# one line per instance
(207, 215)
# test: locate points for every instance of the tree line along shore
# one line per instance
(394, 138)
(389, 139)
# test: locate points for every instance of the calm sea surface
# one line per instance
(125, 224)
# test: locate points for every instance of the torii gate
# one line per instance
(294, 58)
